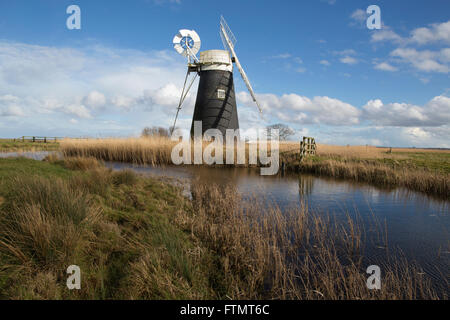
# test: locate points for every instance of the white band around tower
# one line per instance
(216, 60)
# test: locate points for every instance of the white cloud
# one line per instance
(78, 110)
(346, 52)
(384, 66)
(426, 60)
(349, 60)
(8, 98)
(302, 110)
(325, 62)
(9, 106)
(438, 32)
(95, 99)
(123, 102)
(386, 34)
(359, 16)
(62, 86)
(422, 60)
(445, 55)
(282, 56)
(417, 133)
(168, 95)
(434, 114)
(59, 84)
(347, 56)
(12, 111)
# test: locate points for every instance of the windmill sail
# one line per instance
(229, 41)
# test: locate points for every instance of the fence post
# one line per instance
(307, 147)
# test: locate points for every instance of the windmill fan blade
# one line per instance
(186, 42)
(247, 82)
(230, 40)
(224, 28)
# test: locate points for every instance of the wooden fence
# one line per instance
(37, 139)
(307, 147)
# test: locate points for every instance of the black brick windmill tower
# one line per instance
(215, 105)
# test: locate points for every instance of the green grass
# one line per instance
(135, 237)
(13, 167)
(117, 226)
(429, 161)
(433, 161)
(427, 172)
(7, 145)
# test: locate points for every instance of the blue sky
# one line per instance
(313, 64)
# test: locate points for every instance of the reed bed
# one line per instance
(148, 150)
(360, 152)
(263, 253)
(371, 152)
(152, 151)
(379, 166)
(139, 238)
(432, 183)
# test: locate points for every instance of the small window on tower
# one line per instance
(221, 94)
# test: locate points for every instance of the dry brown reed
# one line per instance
(152, 151)
(358, 163)
(369, 152)
(137, 238)
(432, 183)
(263, 253)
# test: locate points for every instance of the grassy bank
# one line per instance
(139, 238)
(425, 171)
(9, 145)
(116, 226)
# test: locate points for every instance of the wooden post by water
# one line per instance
(307, 147)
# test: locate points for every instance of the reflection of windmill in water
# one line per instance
(215, 105)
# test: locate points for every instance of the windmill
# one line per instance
(215, 105)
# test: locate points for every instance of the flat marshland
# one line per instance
(422, 170)
(11, 145)
(136, 237)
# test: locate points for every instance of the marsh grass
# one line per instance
(425, 171)
(265, 254)
(9, 145)
(152, 151)
(139, 238)
(432, 183)
(115, 225)
(422, 170)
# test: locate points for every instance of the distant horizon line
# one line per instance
(341, 145)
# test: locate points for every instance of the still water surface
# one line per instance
(416, 224)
